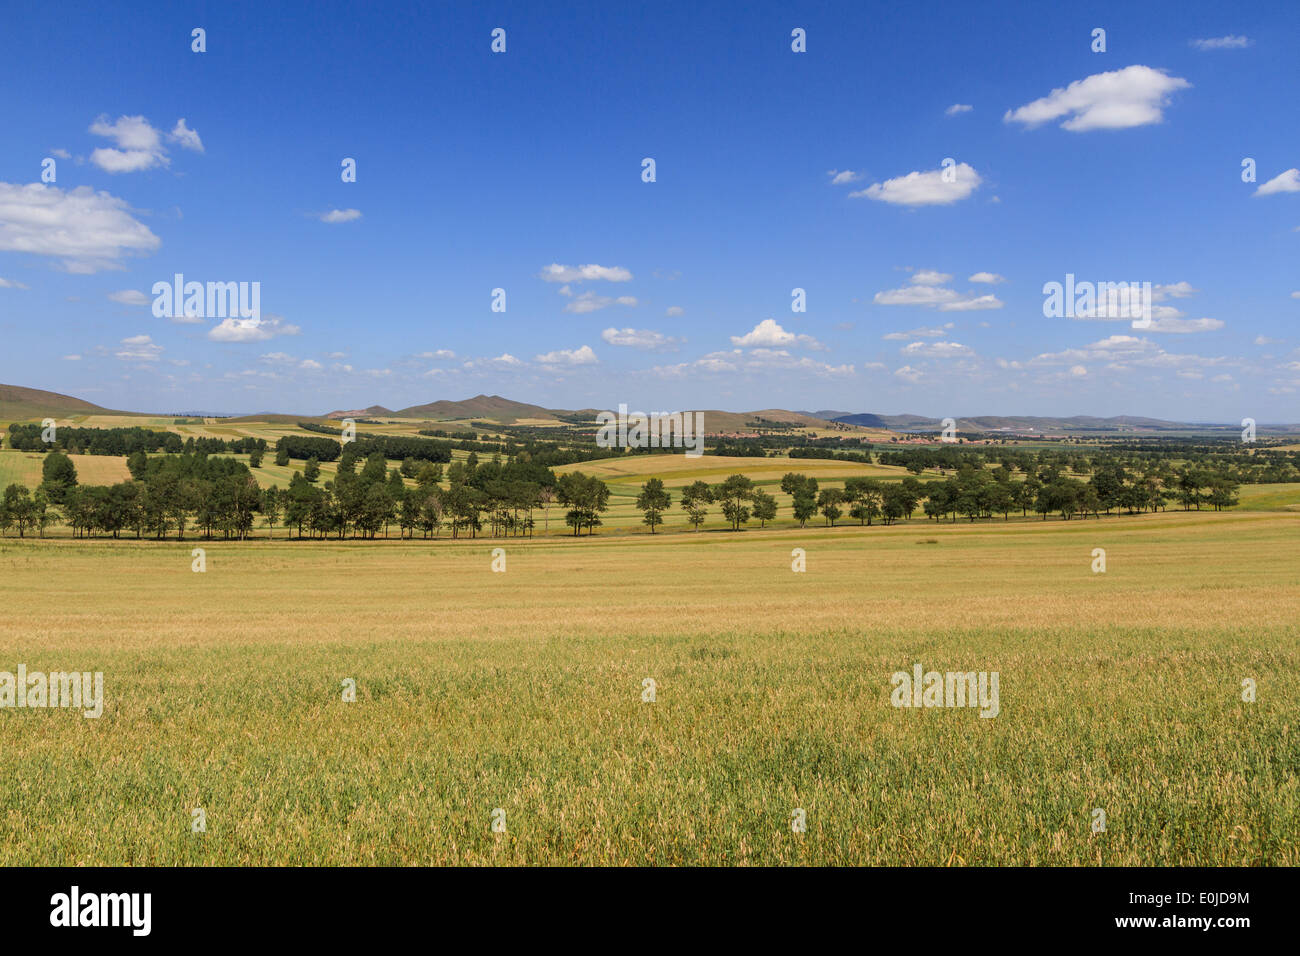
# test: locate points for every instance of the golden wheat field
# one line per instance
(517, 697)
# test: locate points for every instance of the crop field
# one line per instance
(25, 468)
(518, 696)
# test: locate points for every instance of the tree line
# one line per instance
(215, 496)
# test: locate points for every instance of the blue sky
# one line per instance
(774, 170)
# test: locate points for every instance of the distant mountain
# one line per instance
(827, 415)
(866, 420)
(487, 407)
(1040, 425)
(18, 403)
(372, 412)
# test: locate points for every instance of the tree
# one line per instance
(429, 475)
(894, 505)
(654, 501)
(586, 497)
(271, 508)
(696, 497)
(255, 458)
(137, 463)
(829, 502)
(282, 457)
(793, 484)
(375, 469)
(311, 471)
(865, 496)
(547, 496)
(58, 475)
(1223, 492)
(1002, 498)
(733, 493)
(42, 515)
(804, 507)
(764, 507)
(20, 508)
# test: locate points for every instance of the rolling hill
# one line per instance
(18, 403)
(488, 407)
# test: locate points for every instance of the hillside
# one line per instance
(18, 403)
(374, 411)
(488, 407)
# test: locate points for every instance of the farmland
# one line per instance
(522, 691)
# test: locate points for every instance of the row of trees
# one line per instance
(972, 493)
(175, 494)
(219, 496)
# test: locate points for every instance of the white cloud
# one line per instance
(186, 137)
(1222, 43)
(139, 348)
(1265, 340)
(674, 310)
(12, 284)
(640, 339)
(937, 350)
(760, 361)
(1120, 99)
(988, 278)
(915, 295)
(976, 304)
(1121, 353)
(927, 291)
(591, 302)
(251, 330)
(310, 365)
(925, 189)
(558, 273)
(1178, 290)
(1183, 326)
(957, 108)
(89, 231)
(340, 215)
(439, 354)
(579, 356)
(840, 177)
(936, 332)
(72, 358)
(1287, 182)
(908, 374)
(1078, 371)
(130, 297)
(769, 334)
(139, 145)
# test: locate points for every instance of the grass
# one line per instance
(522, 691)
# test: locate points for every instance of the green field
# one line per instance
(523, 691)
